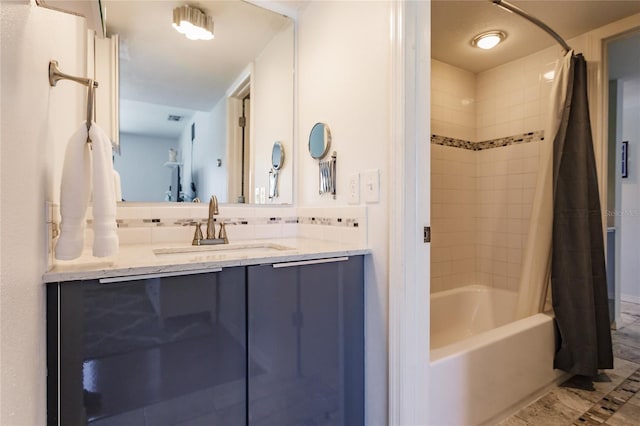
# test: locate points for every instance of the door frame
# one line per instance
(409, 286)
(235, 94)
(598, 90)
(409, 266)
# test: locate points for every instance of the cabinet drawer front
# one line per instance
(161, 349)
(306, 342)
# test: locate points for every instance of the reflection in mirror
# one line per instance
(219, 103)
(277, 161)
(319, 140)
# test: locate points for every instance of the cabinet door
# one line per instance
(160, 351)
(306, 343)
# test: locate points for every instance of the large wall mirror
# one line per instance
(219, 103)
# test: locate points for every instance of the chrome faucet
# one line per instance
(213, 210)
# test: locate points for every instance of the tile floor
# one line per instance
(612, 399)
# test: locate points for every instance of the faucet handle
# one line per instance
(197, 235)
(223, 233)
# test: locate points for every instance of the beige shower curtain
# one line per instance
(536, 257)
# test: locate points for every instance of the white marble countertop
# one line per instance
(147, 259)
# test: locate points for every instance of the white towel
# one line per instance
(105, 230)
(82, 167)
(74, 196)
(117, 185)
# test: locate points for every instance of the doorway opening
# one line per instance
(623, 177)
(239, 142)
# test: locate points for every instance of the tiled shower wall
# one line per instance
(512, 99)
(453, 217)
(480, 208)
(453, 110)
(505, 185)
(482, 196)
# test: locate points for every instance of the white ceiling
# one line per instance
(161, 66)
(162, 72)
(455, 23)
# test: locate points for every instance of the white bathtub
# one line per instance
(484, 365)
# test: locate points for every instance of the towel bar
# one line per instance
(55, 75)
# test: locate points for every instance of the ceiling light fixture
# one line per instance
(193, 23)
(488, 40)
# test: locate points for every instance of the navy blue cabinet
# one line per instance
(306, 342)
(259, 345)
(152, 351)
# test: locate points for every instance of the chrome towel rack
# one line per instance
(55, 75)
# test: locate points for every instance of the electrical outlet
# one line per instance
(354, 188)
(371, 186)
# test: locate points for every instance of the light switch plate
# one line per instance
(371, 186)
(354, 188)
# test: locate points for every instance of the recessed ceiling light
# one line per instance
(488, 40)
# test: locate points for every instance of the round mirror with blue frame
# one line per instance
(277, 156)
(319, 140)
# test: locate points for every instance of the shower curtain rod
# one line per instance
(511, 8)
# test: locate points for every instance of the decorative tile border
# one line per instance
(452, 142)
(160, 224)
(329, 221)
(315, 220)
(488, 144)
(611, 403)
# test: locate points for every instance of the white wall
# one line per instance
(629, 91)
(141, 166)
(36, 123)
(209, 145)
(272, 106)
(344, 80)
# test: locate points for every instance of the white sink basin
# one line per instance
(220, 251)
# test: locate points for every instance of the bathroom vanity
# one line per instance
(240, 340)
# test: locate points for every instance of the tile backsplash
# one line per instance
(172, 223)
